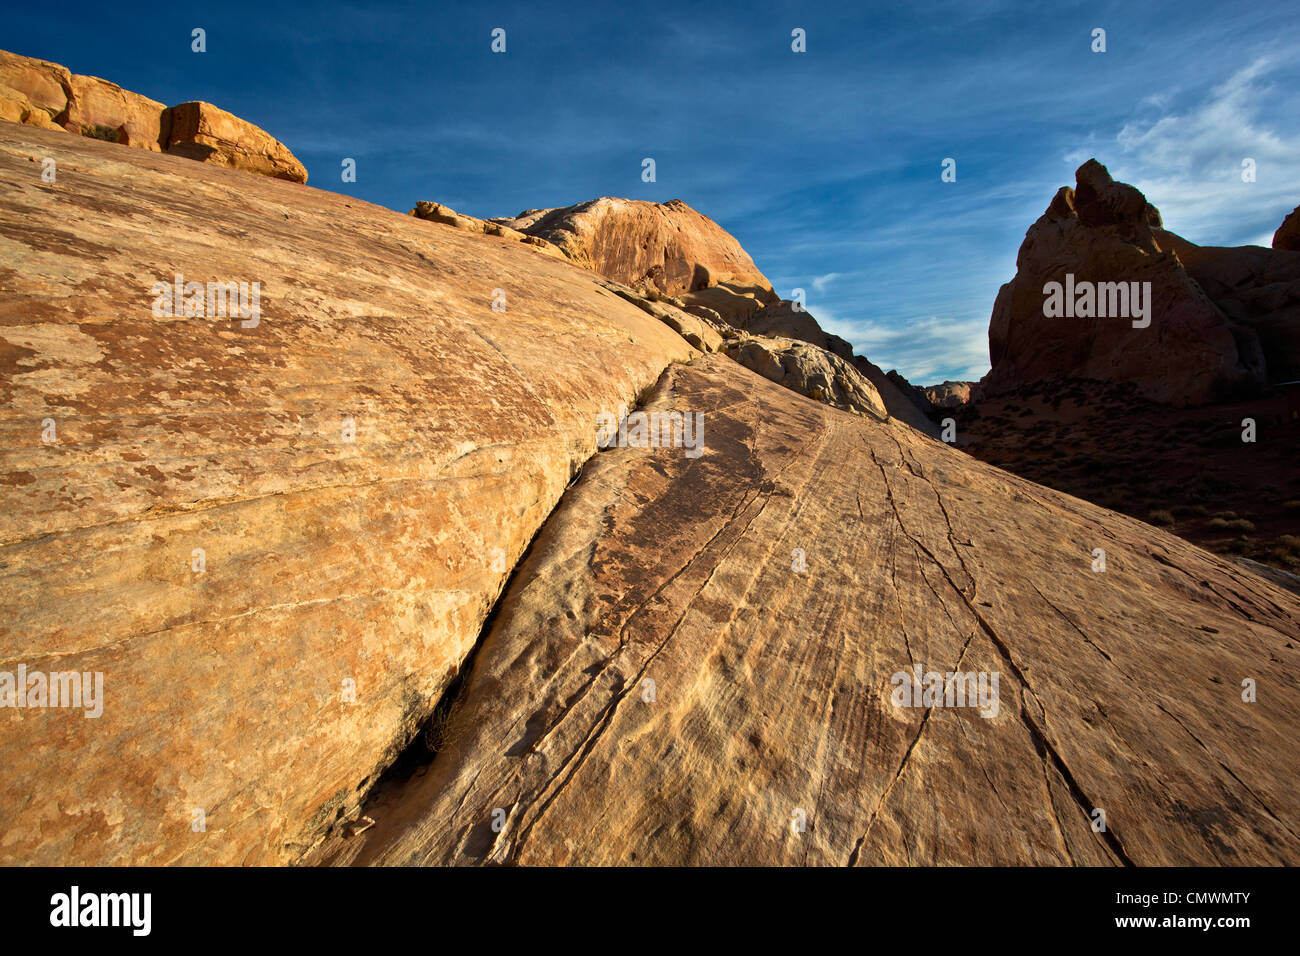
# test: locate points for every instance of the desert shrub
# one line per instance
(100, 131)
(1161, 518)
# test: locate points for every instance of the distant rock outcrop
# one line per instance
(668, 247)
(810, 371)
(211, 135)
(445, 215)
(43, 94)
(1105, 240)
(949, 394)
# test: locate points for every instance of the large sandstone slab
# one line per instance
(373, 560)
(1119, 691)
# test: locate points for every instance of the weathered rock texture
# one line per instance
(374, 560)
(669, 247)
(1193, 352)
(769, 587)
(771, 694)
(46, 95)
(211, 135)
(781, 319)
(810, 371)
(105, 110)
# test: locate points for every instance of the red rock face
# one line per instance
(1106, 232)
(664, 246)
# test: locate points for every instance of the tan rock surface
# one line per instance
(15, 107)
(810, 371)
(209, 134)
(782, 320)
(445, 215)
(46, 85)
(665, 246)
(374, 560)
(100, 105)
(771, 696)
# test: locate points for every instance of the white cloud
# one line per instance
(819, 284)
(1189, 163)
(925, 351)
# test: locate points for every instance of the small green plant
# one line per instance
(100, 131)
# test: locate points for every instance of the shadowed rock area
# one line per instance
(1221, 323)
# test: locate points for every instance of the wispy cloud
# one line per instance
(1189, 161)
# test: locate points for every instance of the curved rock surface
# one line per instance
(325, 556)
(279, 537)
(1106, 232)
(668, 246)
(209, 134)
(100, 108)
(695, 665)
(809, 371)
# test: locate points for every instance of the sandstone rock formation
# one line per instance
(949, 394)
(280, 538)
(1258, 290)
(445, 215)
(669, 247)
(1106, 232)
(667, 682)
(782, 319)
(1287, 236)
(373, 560)
(211, 135)
(46, 95)
(810, 371)
(44, 85)
(100, 108)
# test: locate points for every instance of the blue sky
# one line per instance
(824, 164)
